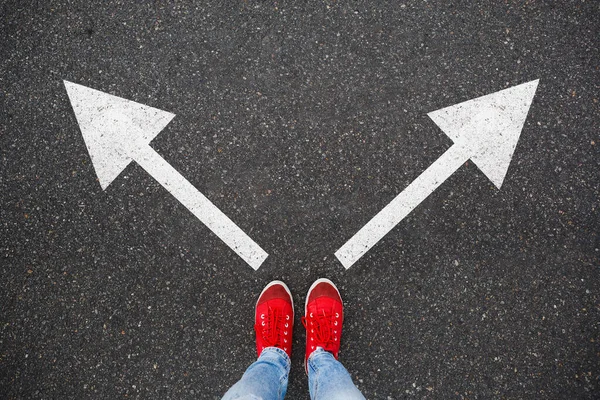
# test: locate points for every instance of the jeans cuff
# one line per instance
(275, 353)
(317, 351)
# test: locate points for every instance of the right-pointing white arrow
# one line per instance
(485, 130)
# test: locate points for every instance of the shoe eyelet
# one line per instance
(286, 325)
(262, 316)
(312, 347)
(337, 315)
(335, 323)
(263, 323)
(311, 316)
(287, 317)
(284, 340)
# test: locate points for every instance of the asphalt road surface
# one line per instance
(300, 121)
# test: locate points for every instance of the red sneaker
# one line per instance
(274, 318)
(324, 315)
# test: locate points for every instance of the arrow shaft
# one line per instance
(200, 206)
(402, 205)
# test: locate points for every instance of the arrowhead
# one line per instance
(489, 127)
(113, 128)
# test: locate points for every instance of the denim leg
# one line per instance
(265, 379)
(328, 379)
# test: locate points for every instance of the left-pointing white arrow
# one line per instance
(117, 131)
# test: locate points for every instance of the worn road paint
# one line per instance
(117, 131)
(484, 130)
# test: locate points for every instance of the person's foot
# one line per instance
(274, 318)
(323, 318)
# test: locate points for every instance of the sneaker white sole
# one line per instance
(287, 289)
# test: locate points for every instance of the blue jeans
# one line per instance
(267, 378)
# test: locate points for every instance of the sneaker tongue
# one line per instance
(278, 304)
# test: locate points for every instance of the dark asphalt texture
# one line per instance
(300, 121)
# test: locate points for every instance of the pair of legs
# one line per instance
(267, 377)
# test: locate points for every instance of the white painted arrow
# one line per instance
(117, 131)
(485, 130)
